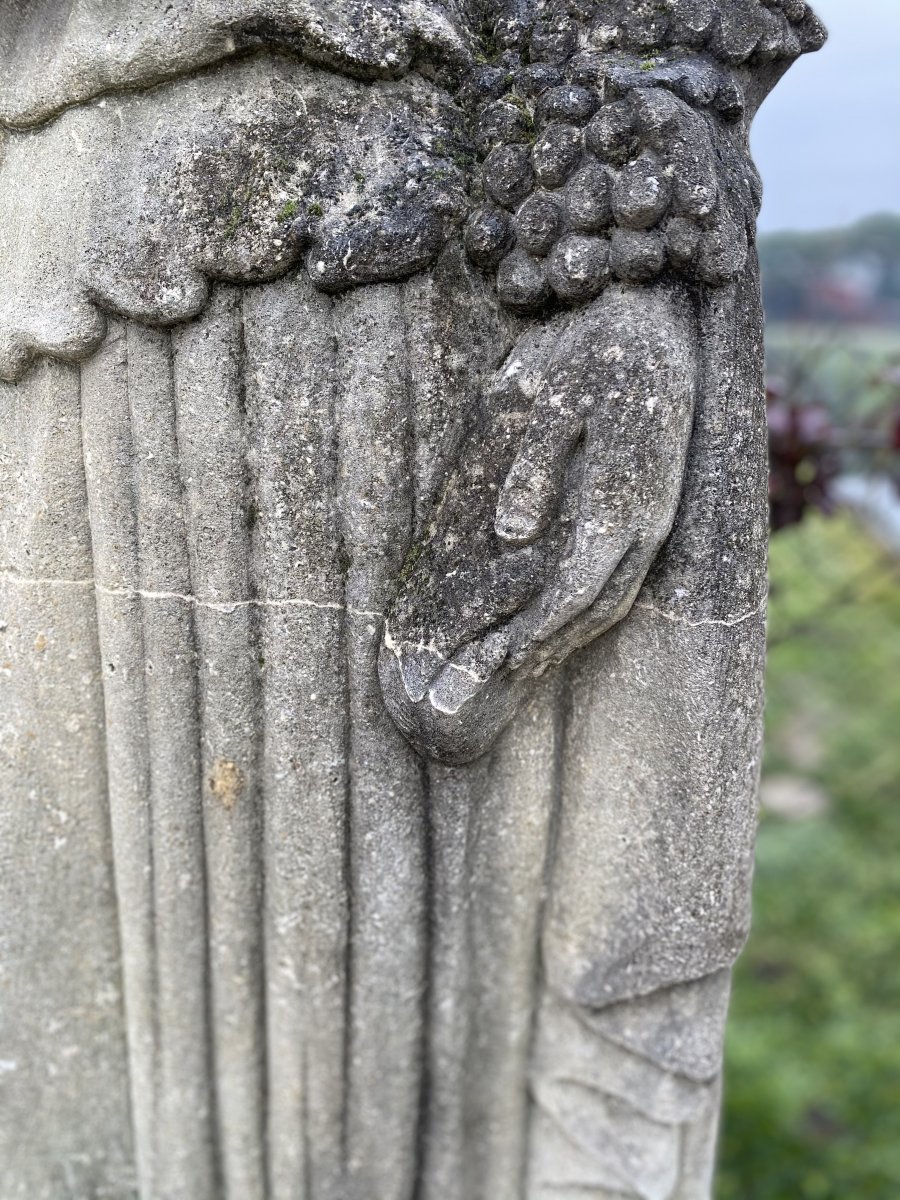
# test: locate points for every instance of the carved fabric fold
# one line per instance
(330, 953)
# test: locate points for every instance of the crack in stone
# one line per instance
(330, 605)
(34, 580)
(224, 606)
(726, 622)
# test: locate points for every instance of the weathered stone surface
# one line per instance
(382, 584)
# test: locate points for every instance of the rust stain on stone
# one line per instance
(226, 782)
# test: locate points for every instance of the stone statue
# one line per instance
(382, 584)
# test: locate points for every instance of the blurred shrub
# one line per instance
(813, 1056)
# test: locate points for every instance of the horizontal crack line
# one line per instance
(223, 606)
(49, 580)
(727, 622)
(226, 606)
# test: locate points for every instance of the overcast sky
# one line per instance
(827, 141)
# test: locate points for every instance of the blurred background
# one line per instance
(813, 1059)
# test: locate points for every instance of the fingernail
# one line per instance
(418, 669)
(517, 527)
(453, 689)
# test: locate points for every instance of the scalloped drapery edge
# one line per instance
(136, 203)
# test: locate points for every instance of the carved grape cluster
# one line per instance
(580, 191)
(732, 32)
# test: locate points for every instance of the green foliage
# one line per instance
(878, 235)
(813, 1055)
(842, 367)
(794, 266)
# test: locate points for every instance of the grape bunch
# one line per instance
(579, 191)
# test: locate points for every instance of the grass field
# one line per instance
(813, 1057)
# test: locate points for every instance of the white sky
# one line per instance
(827, 140)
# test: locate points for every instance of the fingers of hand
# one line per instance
(529, 496)
(580, 579)
(611, 605)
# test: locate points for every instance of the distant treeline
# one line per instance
(840, 275)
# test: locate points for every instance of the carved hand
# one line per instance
(566, 487)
